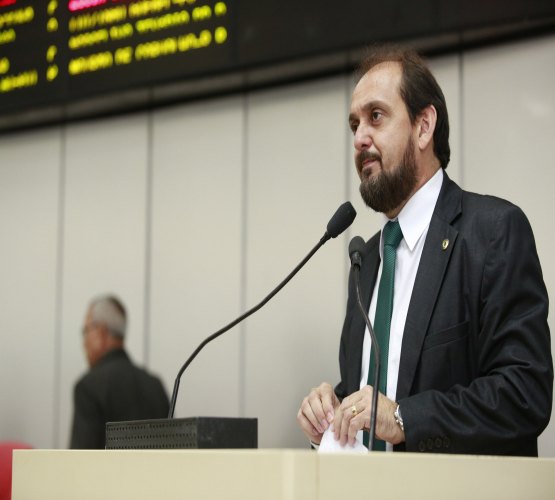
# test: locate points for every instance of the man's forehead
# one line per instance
(383, 78)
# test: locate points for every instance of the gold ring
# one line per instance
(354, 410)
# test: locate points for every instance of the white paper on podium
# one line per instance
(330, 445)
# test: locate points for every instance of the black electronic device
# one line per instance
(182, 433)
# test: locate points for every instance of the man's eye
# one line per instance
(376, 115)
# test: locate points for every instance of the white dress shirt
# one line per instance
(414, 220)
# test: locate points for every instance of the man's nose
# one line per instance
(363, 138)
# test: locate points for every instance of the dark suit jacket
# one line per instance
(476, 374)
(114, 390)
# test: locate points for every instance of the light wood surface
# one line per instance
(274, 474)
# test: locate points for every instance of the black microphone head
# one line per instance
(356, 249)
(341, 220)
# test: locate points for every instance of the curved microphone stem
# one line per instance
(324, 238)
(376, 352)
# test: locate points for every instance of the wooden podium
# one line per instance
(274, 475)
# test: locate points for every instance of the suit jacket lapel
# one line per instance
(431, 270)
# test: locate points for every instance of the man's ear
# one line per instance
(426, 126)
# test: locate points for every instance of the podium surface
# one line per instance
(273, 475)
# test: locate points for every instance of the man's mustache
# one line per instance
(366, 155)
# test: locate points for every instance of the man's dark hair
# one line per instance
(418, 90)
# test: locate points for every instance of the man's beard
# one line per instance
(390, 188)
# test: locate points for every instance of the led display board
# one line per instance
(57, 52)
(54, 50)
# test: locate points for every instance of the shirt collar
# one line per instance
(416, 215)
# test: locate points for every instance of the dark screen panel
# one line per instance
(54, 53)
(140, 43)
(30, 46)
(290, 28)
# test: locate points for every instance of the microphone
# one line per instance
(356, 248)
(341, 220)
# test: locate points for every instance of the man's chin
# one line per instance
(370, 171)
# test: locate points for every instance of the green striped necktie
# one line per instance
(392, 236)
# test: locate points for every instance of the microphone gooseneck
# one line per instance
(340, 221)
(356, 249)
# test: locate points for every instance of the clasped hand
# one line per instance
(321, 408)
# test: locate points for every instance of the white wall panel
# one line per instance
(296, 180)
(104, 236)
(446, 69)
(196, 251)
(509, 125)
(29, 204)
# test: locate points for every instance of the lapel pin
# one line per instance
(444, 244)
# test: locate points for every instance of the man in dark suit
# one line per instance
(114, 389)
(467, 351)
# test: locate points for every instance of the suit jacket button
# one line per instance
(430, 444)
(422, 446)
(446, 442)
(438, 442)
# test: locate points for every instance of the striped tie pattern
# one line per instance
(392, 236)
